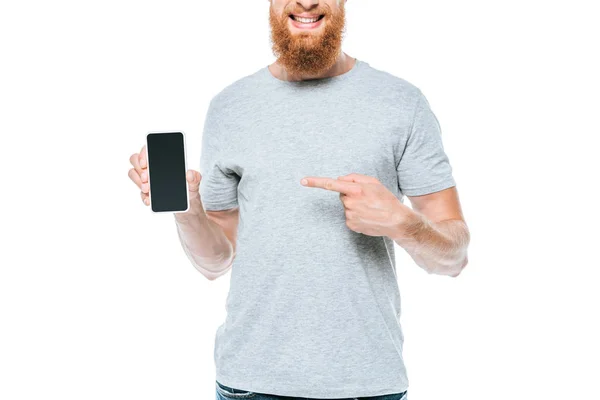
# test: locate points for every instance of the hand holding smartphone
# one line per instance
(167, 166)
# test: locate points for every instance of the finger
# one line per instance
(331, 184)
(145, 198)
(143, 157)
(343, 198)
(135, 161)
(358, 178)
(193, 178)
(135, 177)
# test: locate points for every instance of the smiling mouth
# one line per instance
(304, 20)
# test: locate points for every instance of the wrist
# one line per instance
(190, 217)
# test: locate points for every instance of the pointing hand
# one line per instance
(370, 208)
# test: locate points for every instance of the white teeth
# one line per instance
(306, 20)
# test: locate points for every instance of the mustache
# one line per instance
(322, 10)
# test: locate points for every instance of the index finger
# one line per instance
(332, 184)
(142, 160)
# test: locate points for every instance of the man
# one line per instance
(304, 167)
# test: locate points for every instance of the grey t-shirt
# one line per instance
(313, 307)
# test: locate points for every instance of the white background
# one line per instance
(97, 298)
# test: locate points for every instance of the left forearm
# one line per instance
(437, 247)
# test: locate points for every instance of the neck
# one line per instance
(343, 64)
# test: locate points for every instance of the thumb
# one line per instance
(193, 178)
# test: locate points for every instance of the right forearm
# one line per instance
(205, 243)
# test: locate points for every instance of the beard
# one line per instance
(307, 53)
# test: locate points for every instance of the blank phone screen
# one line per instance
(166, 166)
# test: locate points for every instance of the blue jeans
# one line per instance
(229, 393)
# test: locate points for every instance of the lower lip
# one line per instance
(312, 25)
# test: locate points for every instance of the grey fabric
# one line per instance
(312, 302)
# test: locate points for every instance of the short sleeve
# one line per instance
(218, 187)
(423, 165)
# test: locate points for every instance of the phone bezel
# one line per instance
(187, 193)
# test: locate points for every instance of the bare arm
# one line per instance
(437, 236)
(208, 237)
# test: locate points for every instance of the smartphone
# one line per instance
(167, 167)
